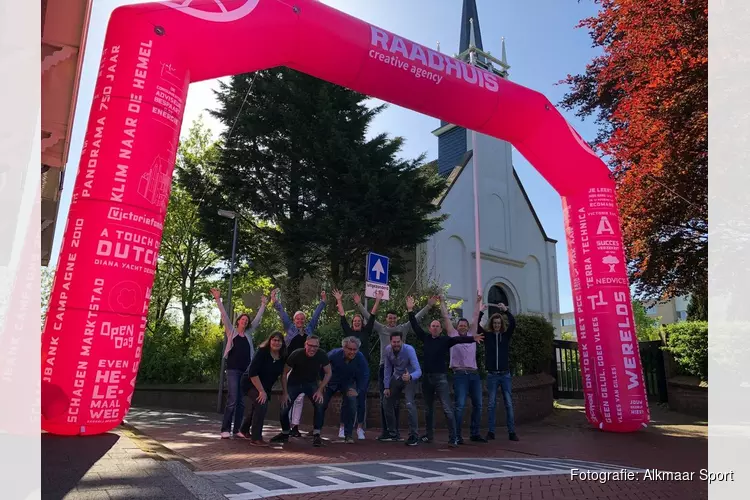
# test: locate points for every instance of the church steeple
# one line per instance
(452, 141)
(471, 34)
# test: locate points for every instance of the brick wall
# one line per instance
(532, 400)
(688, 395)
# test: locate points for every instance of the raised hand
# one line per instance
(409, 303)
(502, 307)
(479, 298)
(216, 293)
(337, 294)
(483, 308)
(274, 292)
(323, 295)
(379, 295)
(264, 300)
(357, 298)
(433, 300)
(478, 338)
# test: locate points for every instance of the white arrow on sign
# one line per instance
(378, 269)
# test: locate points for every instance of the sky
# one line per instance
(543, 46)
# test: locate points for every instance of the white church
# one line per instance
(518, 259)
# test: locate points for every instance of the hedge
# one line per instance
(688, 343)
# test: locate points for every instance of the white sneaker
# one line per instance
(360, 433)
(225, 435)
(341, 432)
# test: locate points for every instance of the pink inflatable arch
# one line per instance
(92, 340)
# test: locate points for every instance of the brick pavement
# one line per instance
(521, 488)
(672, 442)
(114, 466)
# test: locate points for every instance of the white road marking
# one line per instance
(466, 464)
(281, 479)
(415, 469)
(334, 480)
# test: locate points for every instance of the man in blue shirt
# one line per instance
(400, 375)
(350, 374)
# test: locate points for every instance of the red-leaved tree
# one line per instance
(649, 92)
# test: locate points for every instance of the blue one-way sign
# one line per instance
(377, 268)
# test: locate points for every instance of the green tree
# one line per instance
(646, 327)
(187, 262)
(47, 277)
(698, 308)
(313, 192)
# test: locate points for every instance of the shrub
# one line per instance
(688, 343)
(531, 347)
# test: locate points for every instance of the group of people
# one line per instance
(295, 357)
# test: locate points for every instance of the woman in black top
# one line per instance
(258, 381)
(363, 334)
(498, 336)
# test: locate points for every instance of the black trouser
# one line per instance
(255, 414)
(383, 413)
(433, 383)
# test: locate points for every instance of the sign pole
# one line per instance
(477, 250)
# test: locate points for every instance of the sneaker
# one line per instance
(295, 433)
(240, 435)
(425, 439)
(460, 440)
(412, 441)
(490, 436)
(258, 442)
(478, 439)
(387, 438)
(360, 434)
(348, 440)
(280, 438)
(317, 441)
(453, 443)
(512, 436)
(341, 432)
(225, 435)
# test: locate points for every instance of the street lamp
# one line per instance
(229, 215)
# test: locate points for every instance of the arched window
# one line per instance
(496, 296)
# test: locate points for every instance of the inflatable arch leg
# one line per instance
(93, 337)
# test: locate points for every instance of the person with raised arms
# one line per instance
(301, 377)
(363, 334)
(350, 377)
(401, 373)
(434, 372)
(384, 335)
(238, 353)
(463, 362)
(296, 335)
(258, 381)
(497, 363)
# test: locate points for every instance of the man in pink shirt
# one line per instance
(466, 380)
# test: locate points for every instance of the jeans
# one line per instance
(383, 405)
(410, 390)
(361, 400)
(433, 383)
(235, 403)
(348, 403)
(504, 381)
(293, 392)
(465, 382)
(256, 415)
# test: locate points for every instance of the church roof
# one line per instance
(452, 177)
(470, 32)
